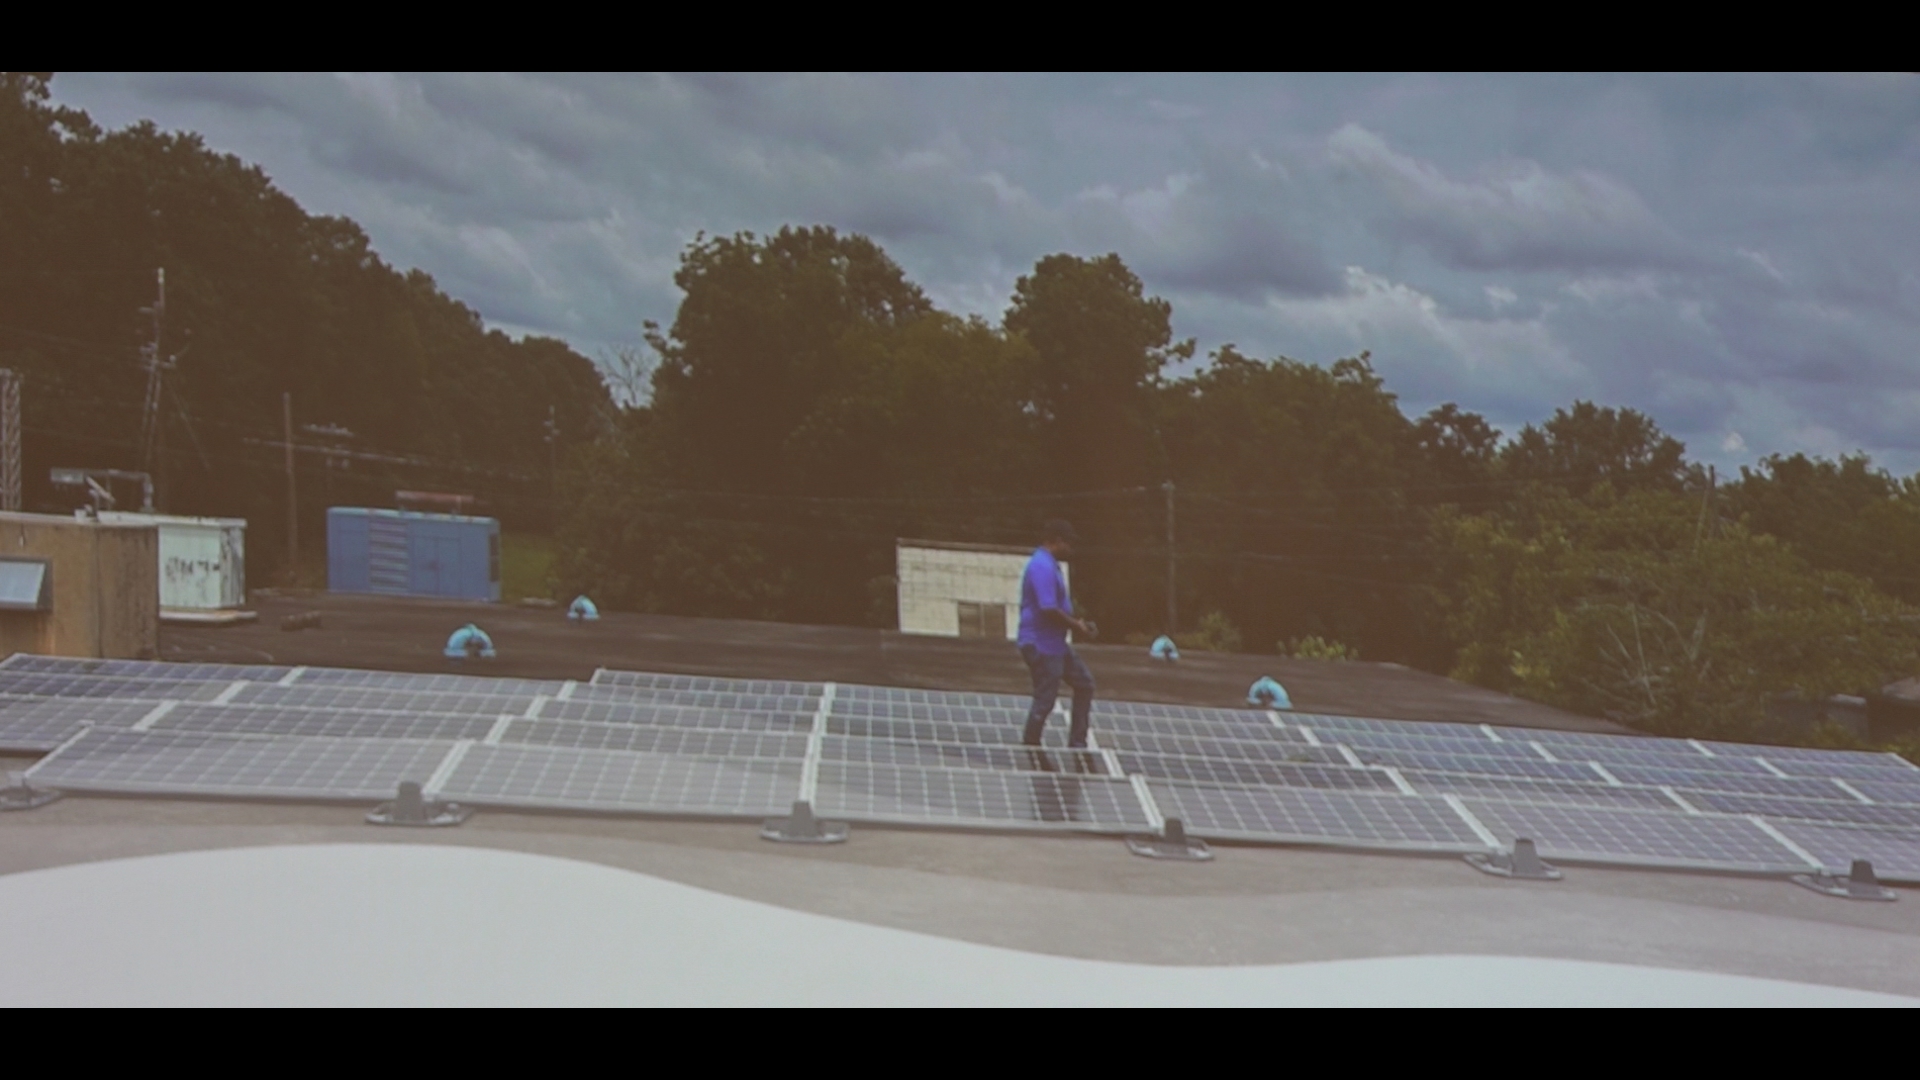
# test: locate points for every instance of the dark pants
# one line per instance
(1048, 671)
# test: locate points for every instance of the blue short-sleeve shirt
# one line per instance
(1043, 587)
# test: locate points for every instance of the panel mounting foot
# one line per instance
(1522, 862)
(411, 808)
(1172, 843)
(801, 827)
(20, 795)
(1860, 883)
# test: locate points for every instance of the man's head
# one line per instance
(1058, 537)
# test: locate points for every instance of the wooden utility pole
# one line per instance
(1173, 609)
(293, 505)
(1706, 502)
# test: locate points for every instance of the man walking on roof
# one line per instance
(1046, 616)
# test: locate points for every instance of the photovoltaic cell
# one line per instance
(1895, 854)
(1557, 792)
(1637, 836)
(1300, 815)
(180, 763)
(619, 782)
(685, 741)
(1850, 812)
(977, 797)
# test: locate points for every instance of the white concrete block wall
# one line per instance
(934, 581)
(202, 560)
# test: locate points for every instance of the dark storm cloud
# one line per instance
(1733, 254)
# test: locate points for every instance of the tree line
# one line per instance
(394, 384)
(809, 405)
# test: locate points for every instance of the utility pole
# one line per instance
(9, 440)
(293, 506)
(1173, 610)
(153, 429)
(553, 468)
(1706, 501)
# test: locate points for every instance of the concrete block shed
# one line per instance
(961, 590)
(203, 561)
(76, 587)
(403, 553)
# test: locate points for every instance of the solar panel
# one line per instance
(1638, 837)
(1780, 755)
(1200, 714)
(977, 797)
(905, 696)
(381, 699)
(620, 782)
(1152, 725)
(1852, 811)
(704, 683)
(1560, 792)
(1895, 854)
(1301, 815)
(54, 684)
(691, 742)
(1217, 771)
(1691, 763)
(699, 699)
(191, 763)
(601, 712)
(1887, 792)
(955, 714)
(1484, 765)
(329, 723)
(38, 724)
(1554, 737)
(1434, 729)
(935, 731)
(1226, 749)
(963, 756)
(154, 669)
(1850, 771)
(419, 683)
(1738, 783)
(1370, 740)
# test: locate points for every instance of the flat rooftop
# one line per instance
(1073, 896)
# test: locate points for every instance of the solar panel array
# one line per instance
(635, 742)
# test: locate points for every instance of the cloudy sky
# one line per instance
(1739, 256)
